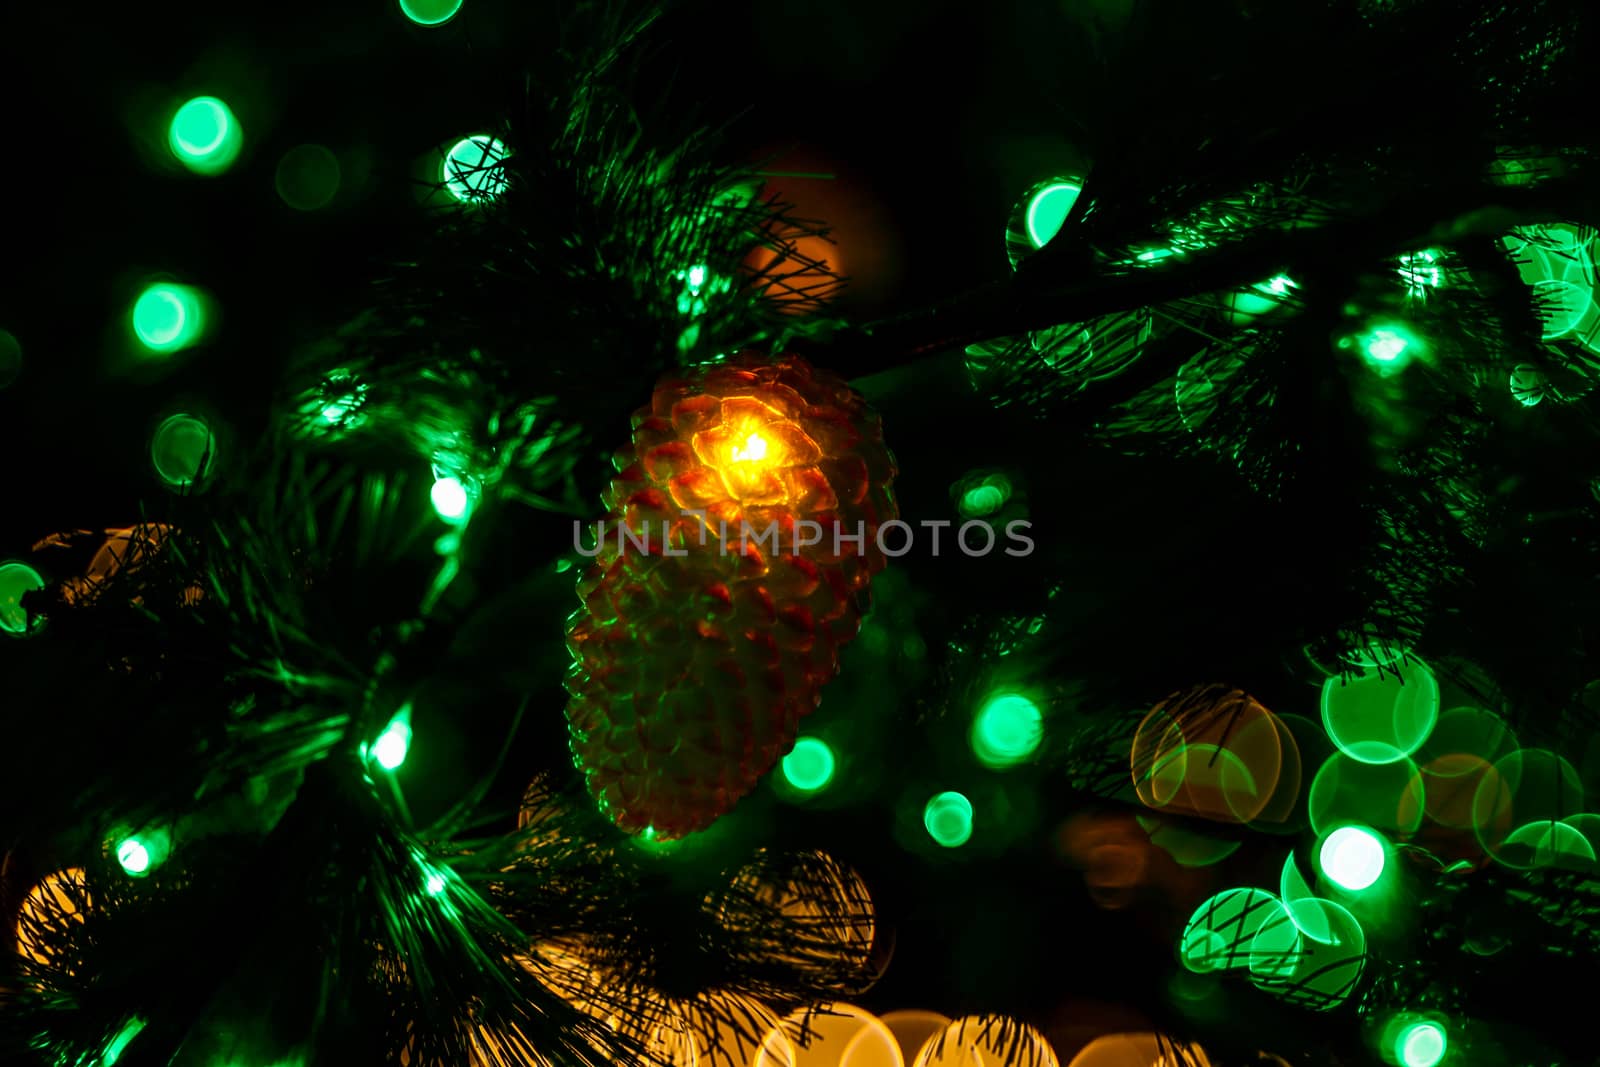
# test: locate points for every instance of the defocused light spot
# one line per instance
(474, 169)
(1352, 857)
(1007, 730)
(948, 819)
(205, 136)
(430, 12)
(182, 450)
(809, 766)
(1048, 210)
(167, 317)
(307, 177)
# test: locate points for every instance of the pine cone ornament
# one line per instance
(734, 562)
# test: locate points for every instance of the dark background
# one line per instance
(932, 116)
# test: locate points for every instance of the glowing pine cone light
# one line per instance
(733, 564)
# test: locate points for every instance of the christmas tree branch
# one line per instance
(1064, 282)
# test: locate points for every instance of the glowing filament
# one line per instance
(753, 450)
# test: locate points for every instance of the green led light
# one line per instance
(1421, 1045)
(434, 885)
(809, 765)
(1381, 716)
(139, 854)
(204, 135)
(1385, 346)
(1006, 731)
(430, 12)
(982, 500)
(1352, 857)
(1388, 349)
(16, 580)
(1246, 305)
(1421, 272)
(1048, 211)
(307, 177)
(167, 317)
(699, 286)
(474, 169)
(450, 499)
(134, 856)
(182, 450)
(948, 819)
(986, 497)
(389, 751)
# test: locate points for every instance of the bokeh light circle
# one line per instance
(1552, 844)
(1218, 753)
(1221, 933)
(474, 170)
(1380, 716)
(830, 1035)
(204, 135)
(183, 450)
(733, 1030)
(809, 766)
(1421, 1045)
(1388, 797)
(430, 12)
(1007, 730)
(133, 856)
(1048, 209)
(17, 579)
(1326, 969)
(1468, 730)
(948, 819)
(307, 177)
(1562, 306)
(1352, 857)
(1039, 215)
(167, 317)
(913, 1028)
(987, 1041)
(1529, 786)
(1139, 1050)
(450, 498)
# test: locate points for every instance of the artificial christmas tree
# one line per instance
(1274, 745)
